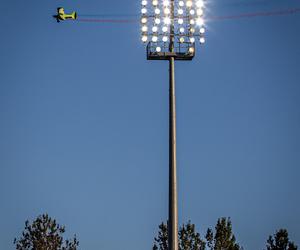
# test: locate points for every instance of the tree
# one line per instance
(44, 234)
(189, 239)
(161, 242)
(280, 241)
(223, 238)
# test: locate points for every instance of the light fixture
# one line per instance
(167, 20)
(199, 12)
(200, 3)
(144, 39)
(189, 3)
(167, 11)
(144, 28)
(144, 20)
(191, 50)
(164, 22)
(155, 2)
(170, 35)
(200, 21)
(166, 2)
(154, 39)
(154, 29)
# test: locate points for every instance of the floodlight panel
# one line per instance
(185, 16)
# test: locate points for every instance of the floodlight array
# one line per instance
(179, 20)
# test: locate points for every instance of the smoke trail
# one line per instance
(256, 14)
(212, 18)
(106, 20)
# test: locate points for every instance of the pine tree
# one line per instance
(223, 238)
(44, 234)
(280, 241)
(189, 239)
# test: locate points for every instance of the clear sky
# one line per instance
(84, 124)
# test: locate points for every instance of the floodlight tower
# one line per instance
(170, 29)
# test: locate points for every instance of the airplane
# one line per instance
(62, 16)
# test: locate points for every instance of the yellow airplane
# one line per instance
(62, 16)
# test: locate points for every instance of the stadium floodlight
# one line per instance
(165, 29)
(155, 2)
(144, 38)
(154, 29)
(200, 12)
(199, 3)
(171, 29)
(154, 39)
(144, 28)
(165, 38)
(166, 3)
(179, 20)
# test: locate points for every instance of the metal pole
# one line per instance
(173, 213)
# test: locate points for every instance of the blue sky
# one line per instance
(84, 124)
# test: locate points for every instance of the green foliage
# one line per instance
(44, 234)
(223, 238)
(280, 241)
(189, 239)
(161, 242)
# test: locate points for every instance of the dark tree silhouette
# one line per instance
(280, 241)
(161, 242)
(223, 238)
(44, 234)
(189, 239)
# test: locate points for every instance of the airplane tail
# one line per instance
(74, 15)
